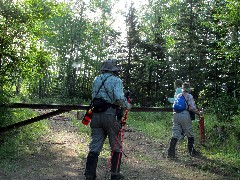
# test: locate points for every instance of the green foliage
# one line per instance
(222, 136)
(194, 40)
(20, 141)
(21, 52)
(225, 107)
(221, 148)
(222, 143)
(48, 51)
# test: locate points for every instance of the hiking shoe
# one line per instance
(171, 157)
(195, 153)
(171, 154)
(117, 177)
(89, 177)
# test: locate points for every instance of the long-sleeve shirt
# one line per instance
(178, 91)
(111, 90)
(190, 102)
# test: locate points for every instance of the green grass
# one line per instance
(155, 125)
(19, 141)
(221, 150)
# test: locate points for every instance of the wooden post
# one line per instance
(202, 130)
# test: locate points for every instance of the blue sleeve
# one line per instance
(119, 95)
(178, 91)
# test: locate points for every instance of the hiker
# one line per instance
(178, 89)
(178, 86)
(182, 121)
(109, 88)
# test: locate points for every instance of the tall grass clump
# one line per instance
(222, 127)
(223, 139)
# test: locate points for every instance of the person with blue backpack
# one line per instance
(183, 104)
(178, 89)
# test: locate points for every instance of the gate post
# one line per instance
(202, 130)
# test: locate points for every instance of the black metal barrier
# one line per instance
(78, 107)
(61, 109)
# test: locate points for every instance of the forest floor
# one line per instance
(62, 156)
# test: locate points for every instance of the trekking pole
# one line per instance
(120, 133)
(110, 159)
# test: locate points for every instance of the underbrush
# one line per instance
(221, 148)
(223, 143)
(19, 141)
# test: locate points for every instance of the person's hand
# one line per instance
(200, 113)
(129, 106)
(130, 100)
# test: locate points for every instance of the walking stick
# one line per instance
(202, 129)
(120, 133)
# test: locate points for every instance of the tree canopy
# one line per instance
(52, 48)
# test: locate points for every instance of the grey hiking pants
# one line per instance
(103, 125)
(182, 121)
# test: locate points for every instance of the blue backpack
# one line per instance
(179, 104)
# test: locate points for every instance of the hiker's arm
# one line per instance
(119, 95)
(192, 106)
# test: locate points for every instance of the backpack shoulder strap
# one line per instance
(185, 101)
(100, 88)
(102, 84)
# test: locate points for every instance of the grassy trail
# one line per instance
(61, 155)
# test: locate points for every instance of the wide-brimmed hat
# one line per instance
(110, 65)
(186, 87)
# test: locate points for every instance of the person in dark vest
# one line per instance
(107, 124)
(182, 122)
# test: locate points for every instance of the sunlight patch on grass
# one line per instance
(155, 125)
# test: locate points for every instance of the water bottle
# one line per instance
(87, 117)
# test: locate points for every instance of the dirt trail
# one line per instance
(60, 158)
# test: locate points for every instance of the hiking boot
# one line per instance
(88, 177)
(171, 149)
(116, 163)
(91, 166)
(117, 177)
(195, 153)
(192, 151)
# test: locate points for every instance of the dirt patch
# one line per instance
(59, 157)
